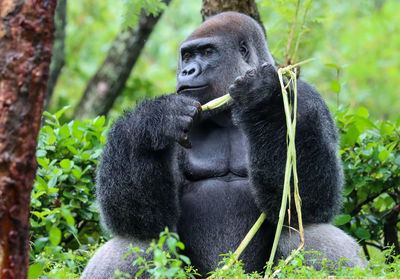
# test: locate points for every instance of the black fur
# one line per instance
(212, 193)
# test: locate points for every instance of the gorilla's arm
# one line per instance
(259, 109)
(136, 190)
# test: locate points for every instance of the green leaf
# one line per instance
(335, 86)
(72, 149)
(351, 136)
(331, 65)
(185, 259)
(35, 270)
(55, 236)
(52, 191)
(362, 111)
(66, 164)
(64, 131)
(362, 233)
(348, 190)
(342, 219)
(383, 155)
(52, 182)
(41, 153)
(61, 112)
(99, 121)
(68, 216)
(397, 160)
(387, 128)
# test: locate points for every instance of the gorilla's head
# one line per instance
(218, 51)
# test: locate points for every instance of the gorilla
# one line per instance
(208, 175)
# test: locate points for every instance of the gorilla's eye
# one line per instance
(186, 56)
(207, 51)
(243, 49)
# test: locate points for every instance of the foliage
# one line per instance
(371, 159)
(61, 264)
(165, 259)
(133, 8)
(63, 211)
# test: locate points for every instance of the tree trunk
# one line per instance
(248, 7)
(58, 59)
(26, 41)
(390, 232)
(110, 78)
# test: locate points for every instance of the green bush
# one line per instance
(371, 158)
(63, 211)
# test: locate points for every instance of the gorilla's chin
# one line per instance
(202, 94)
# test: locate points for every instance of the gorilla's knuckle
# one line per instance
(251, 73)
(239, 80)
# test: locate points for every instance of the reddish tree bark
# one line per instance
(26, 42)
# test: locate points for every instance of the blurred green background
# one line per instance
(359, 39)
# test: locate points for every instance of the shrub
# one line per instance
(63, 211)
(371, 159)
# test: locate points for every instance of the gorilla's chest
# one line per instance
(217, 207)
(216, 153)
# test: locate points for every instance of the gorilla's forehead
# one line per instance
(228, 23)
(199, 42)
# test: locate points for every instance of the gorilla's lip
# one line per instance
(188, 88)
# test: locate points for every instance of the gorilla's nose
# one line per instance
(190, 71)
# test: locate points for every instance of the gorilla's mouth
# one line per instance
(191, 88)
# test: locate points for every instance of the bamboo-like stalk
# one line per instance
(213, 104)
(289, 169)
(243, 244)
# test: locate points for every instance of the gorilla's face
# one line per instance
(209, 65)
(219, 50)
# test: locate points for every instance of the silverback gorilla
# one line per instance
(209, 175)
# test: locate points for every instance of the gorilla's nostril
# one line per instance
(191, 71)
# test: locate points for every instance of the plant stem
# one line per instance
(246, 240)
(213, 104)
(289, 169)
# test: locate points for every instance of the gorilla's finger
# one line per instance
(251, 73)
(191, 111)
(268, 68)
(239, 80)
(189, 101)
(184, 142)
(185, 123)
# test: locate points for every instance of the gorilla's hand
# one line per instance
(174, 117)
(258, 85)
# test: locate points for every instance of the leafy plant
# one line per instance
(134, 7)
(63, 211)
(166, 260)
(371, 158)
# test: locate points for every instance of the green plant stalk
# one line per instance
(291, 152)
(288, 172)
(216, 103)
(289, 168)
(243, 244)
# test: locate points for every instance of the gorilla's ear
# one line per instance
(244, 51)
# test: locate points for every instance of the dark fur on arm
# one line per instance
(135, 186)
(318, 165)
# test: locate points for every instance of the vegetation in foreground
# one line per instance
(64, 218)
